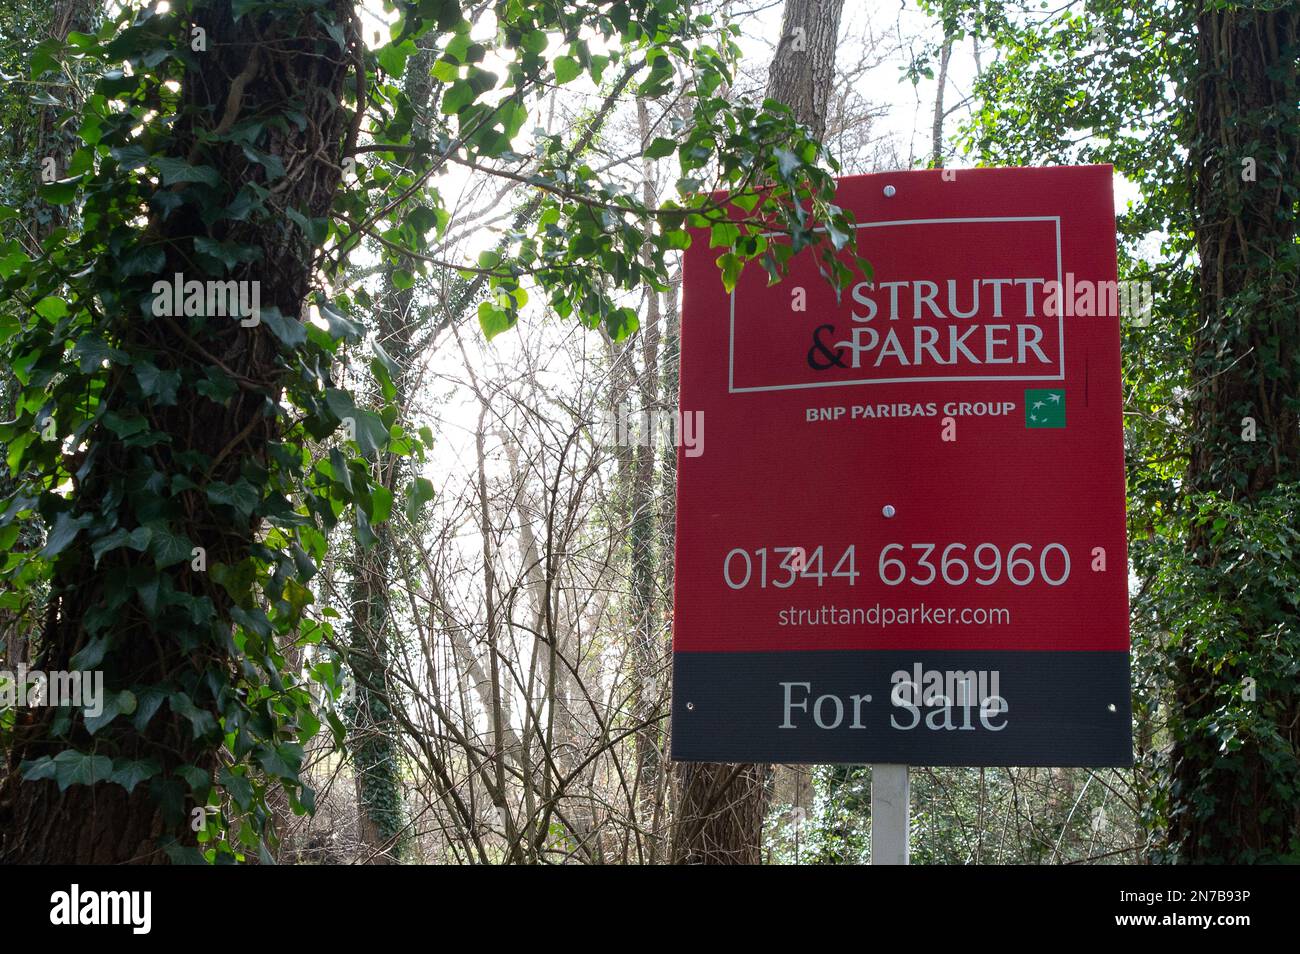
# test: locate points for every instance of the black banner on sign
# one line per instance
(949, 707)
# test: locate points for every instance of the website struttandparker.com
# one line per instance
(885, 616)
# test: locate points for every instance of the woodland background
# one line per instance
(433, 624)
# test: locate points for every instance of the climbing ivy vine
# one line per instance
(188, 466)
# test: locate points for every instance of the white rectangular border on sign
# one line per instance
(731, 356)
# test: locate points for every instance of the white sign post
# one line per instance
(890, 811)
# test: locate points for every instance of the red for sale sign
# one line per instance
(900, 518)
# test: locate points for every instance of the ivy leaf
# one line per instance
(660, 147)
(730, 265)
(620, 323)
(372, 433)
(284, 760)
(290, 331)
(113, 705)
(393, 58)
(80, 768)
(298, 597)
(228, 254)
(786, 161)
(334, 30)
(239, 787)
(237, 580)
(391, 366)
(92, 654)
(66, 528)
(241, 495)
(37, 770)
(131, 772)
(244, 203)
(143, 260)
(217, 386)
(660, 79)
(315, 229)
(177, 853)
(150, 589)
(459, 95)
(253, 620)
(381, 504)
(302, 562)
(367, 427)
(148, 701)
(169, 794)
(201, 721)
(61, 192)
(566, 69)
(340, 325)
(340, 472)
(365, 536)
(160, 385)
(136, 539)
(419, 493)
(130, 158)
(273, 165)
(92, 352)
(175, 170)
(494, 320)
(168, 548)
(199, 780)
(123, 425)
(52, 308)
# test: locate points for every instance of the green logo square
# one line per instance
(1045, 407)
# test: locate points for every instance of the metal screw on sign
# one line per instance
(890, 192)
(889, 510)
(690, 706)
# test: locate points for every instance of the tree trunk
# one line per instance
(17, 629)
(1234, 805)
(802, 74)
(648, 658)
(373, 745)
(259, 65)
(720, 807)
(936, 127)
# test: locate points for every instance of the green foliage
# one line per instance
(1105, 81)
(81, 362)
(836, 830)
(111, 391)
(1215, 606)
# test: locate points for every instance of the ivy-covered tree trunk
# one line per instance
(45, 147)
(648, 648)
(371, 738)
(189, 420)
(720, 808)
(372, 742)
(1236, 760)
